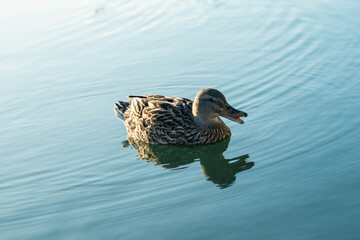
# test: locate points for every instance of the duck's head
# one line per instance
(210, 103)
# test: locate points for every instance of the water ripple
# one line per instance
(293, 66)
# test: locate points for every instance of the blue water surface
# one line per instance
(290, 172)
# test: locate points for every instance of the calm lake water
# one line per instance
(290, 172)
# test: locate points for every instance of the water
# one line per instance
(290, 172)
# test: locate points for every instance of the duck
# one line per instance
(162, 120)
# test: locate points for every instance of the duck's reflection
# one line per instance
(215, 167)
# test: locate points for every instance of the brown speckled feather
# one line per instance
(157, 119)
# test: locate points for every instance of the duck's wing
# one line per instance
(121, 107)
(158, 119)
(151, 105)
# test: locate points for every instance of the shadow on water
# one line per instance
(215, 166)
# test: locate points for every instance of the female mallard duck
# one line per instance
(157, 119)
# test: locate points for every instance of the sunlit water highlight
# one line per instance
(290, 172)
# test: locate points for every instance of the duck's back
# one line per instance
(158, 119)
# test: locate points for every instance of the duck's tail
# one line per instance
(119, 109)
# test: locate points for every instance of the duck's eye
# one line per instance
(211, 100)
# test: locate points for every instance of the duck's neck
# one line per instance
(202, 117)
(211, 125)
(207, 122)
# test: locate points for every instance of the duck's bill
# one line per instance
(233, 114)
